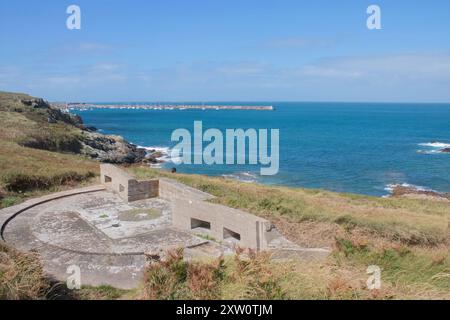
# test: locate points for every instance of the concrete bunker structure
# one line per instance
(125, 185)
(105, 231)
(191, 210)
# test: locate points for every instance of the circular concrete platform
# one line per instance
(108, 238)
(104, 236)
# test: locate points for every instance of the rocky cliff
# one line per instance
(48, 128)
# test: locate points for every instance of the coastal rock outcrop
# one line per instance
(36, 103)
(445, 150)
(77, 138)
(110, 149)
(153, 157)
(405, 191)
(54, 114)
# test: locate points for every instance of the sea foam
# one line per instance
(242, 177)
(441, 145)
(433, 147)
(390, 187)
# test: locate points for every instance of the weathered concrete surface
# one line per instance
(86, 230)
(9, 213)
(126, 185)
(190, 211)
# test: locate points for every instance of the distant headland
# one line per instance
(87, 106)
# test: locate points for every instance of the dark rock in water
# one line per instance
(154, 157)
(91, 129)
(399, 191)
(446, 150)
(174, 170)
(158, 154)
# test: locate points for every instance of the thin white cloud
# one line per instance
(387, 67)
(401, 77)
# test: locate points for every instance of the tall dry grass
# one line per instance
(21, 275)
(248, 275)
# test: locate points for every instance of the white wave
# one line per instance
(433, 147)
(390, 187)
(430, 151)
(245, 176)
(440, 145)
(164, 150)
(165, 154)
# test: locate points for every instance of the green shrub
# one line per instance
(9, 201)
(20, 182)
(53, 142)
(255, 271)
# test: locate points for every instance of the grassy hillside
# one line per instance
(26, 171)
(409, 239)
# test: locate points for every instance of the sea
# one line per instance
(362, 148)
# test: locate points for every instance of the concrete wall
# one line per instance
(190, 211)
(126, 185)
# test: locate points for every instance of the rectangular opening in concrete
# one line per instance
(231, 235)
(200, 224)
(108, 179)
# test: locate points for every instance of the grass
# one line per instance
(100, 293)
(22, 278)
(26, 172)
(250, 275)
(407, 238)
(21, 275)
(400, 264)
(20, 182)
(174, 278)
(206, 237)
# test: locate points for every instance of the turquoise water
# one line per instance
(344, 147)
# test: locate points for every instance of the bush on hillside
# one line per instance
(20, 182)
(173, 278)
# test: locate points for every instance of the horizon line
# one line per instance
(252, 101)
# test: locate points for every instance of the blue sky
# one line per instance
(206, 50)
